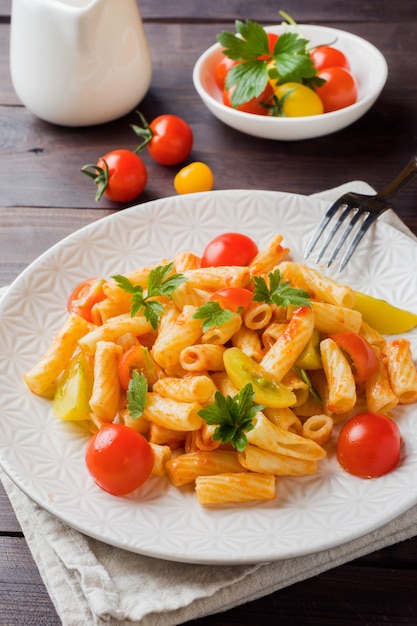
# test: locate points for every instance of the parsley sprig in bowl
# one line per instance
(367, 65)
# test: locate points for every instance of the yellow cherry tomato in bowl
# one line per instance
(297, 100)
(196, 176)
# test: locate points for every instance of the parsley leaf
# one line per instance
(278, 292)
(159, 283)
(213, 314)
(232, 416)
(136, 394)
(290, 60)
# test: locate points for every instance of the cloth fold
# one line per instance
(91, 583)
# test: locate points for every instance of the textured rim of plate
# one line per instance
(299, 521)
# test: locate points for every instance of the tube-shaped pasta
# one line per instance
(269, 436)
(249, 342)
(185, 295)
(186, 260)
(263, 461)
(224, 384)
(319, 428)
(176, 332)
(166, 436)
(380, 397)
(285, 418)
(257, 315)
(272, 332)
(239, 487)
(214, 278)
(113, 329)
(330, 319)
(172, 413)
(45, 372)
(204, 438)
(203, 358)
(297, 386)
(283, 354)
(161, 455)
(139, 423)
(401, 370)
(269, 256)
(104, 401)
(220, 335)
(192, 388)
(372, 336)
(320, 286)
(185, 468)
(342, 387)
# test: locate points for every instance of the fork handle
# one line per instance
(405, 177)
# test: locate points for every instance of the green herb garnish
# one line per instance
(233, 416)
(306, 378)
(136, 394)
(213, 315)
(289, 61)
(158, 284)
(278, 292)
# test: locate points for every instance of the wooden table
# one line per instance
(43, 198)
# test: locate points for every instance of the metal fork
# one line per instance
(359, 206)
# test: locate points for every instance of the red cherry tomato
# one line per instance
(360, 352)
(225, 64)
(119, 459)
(229, 249)
(125, 177)
(369, 445)
(136, 358)
(255, 105)
(339, 90)
(233, 298)
(327, 56)
(168, 138)
(85, 296)
(221, 69)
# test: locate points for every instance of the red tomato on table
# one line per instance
(369, 445)
(119, 459)
(229, 249)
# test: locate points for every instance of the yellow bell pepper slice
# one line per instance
(310, 358)
(384, 317)
(242, 370)
(73, 393)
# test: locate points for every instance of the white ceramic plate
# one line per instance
(45, 457)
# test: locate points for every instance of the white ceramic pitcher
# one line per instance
(79, 62)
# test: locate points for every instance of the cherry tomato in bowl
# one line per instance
(168, 138)
(120, 175)
(369, 445)
(256, 106)
(340, 89)
(327, 56)
(229, 249)
(119, 459)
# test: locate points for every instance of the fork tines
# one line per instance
(345, 209)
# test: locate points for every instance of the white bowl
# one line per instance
(367, 65)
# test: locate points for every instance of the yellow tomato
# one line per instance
(194, 177)
(297, 100)
(384, 317)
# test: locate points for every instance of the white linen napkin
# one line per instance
(90, 582)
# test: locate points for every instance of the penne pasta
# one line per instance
(202, 358)
(171, 413)
(401, 370)
(262, 461)
(342, 387)
(44, 374)
(176, 332)
(192, 388)
(112, 329)
(269, 256)
(185, 468)
(104, 401)
(239, 487)
(330, 319)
